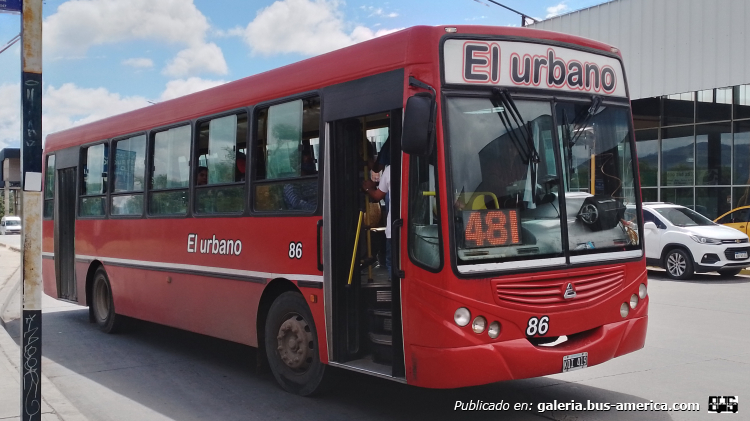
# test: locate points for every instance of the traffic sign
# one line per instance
(10, 5)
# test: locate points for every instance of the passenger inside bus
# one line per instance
(303, 195)
(201, 176)
(240, 167)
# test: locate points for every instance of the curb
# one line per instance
(16, 249)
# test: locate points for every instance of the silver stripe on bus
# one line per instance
(512, 265)
(606, 256)
(208, 270)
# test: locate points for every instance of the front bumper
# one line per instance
(518, 359)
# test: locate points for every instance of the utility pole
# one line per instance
(31, 207)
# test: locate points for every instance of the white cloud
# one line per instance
(197, 59)
(237, 31)
(70, 105)
(378, 11)
(181, 87)
(80, 24)
(303, 26)
(10, 115)
(559, 9)
(139, 62)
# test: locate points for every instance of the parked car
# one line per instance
(10, 225)
(683, 241)
(736, 218)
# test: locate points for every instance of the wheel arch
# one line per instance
(274, 288)
(93, 267)
(671, 246)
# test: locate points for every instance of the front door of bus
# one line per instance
(65, 225)
(365, 328)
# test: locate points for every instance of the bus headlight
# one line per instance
(642, 291)
(633, 301)
(494, 330)
(462, 316)
(624, 310)
(479, 324)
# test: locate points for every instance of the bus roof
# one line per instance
(415, 45)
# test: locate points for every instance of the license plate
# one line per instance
(740, 255)
(575, 361)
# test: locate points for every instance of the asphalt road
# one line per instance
(697, 346)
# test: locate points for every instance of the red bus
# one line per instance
(240, 211)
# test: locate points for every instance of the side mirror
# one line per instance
(650, 226)
(418, 135)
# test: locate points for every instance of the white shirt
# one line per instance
(385, 187)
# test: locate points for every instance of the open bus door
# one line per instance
(366, 304)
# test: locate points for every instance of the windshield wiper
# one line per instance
(596, 103)
(525, 145)
(522, 138)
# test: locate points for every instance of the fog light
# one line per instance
(462, 316)
(642, 291)
(479, 324)
(624, 310)
(494, 330)
(633, 301)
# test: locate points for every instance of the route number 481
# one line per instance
(538, 326)
(295, 250)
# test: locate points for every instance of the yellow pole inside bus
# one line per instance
(354, 252)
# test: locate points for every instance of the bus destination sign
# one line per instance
(520, 64)
(10, 5)
(491, 228)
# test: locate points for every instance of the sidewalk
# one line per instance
(55, 406)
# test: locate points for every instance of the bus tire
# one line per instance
(102, 304)
(291, 344)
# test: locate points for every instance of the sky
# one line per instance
(106, 57)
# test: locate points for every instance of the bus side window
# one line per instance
(221, 150)
(94, 180)
(49, 188)
(286, 176)
(424, 217)
(170, 172)
(128, 178)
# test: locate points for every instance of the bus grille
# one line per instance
(548, 290)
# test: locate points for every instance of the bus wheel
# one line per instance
(102, 305)
(292, 345)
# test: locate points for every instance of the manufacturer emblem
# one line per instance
(570, 292)
(737, 241)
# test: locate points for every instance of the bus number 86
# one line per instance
(295, 250)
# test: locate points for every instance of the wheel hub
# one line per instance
(676, 264)
(295, 343)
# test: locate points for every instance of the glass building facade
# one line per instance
(694, 148)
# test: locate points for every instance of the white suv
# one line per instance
(683, 241)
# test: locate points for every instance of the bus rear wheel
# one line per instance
(292, 345)
(102, 304)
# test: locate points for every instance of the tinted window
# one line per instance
(171, 172)
(286, 176)
(129, 176)
(220, 174)
(94, 181)
(49, 187)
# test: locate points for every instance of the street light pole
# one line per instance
(31, 206)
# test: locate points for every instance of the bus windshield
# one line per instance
(510, 162)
